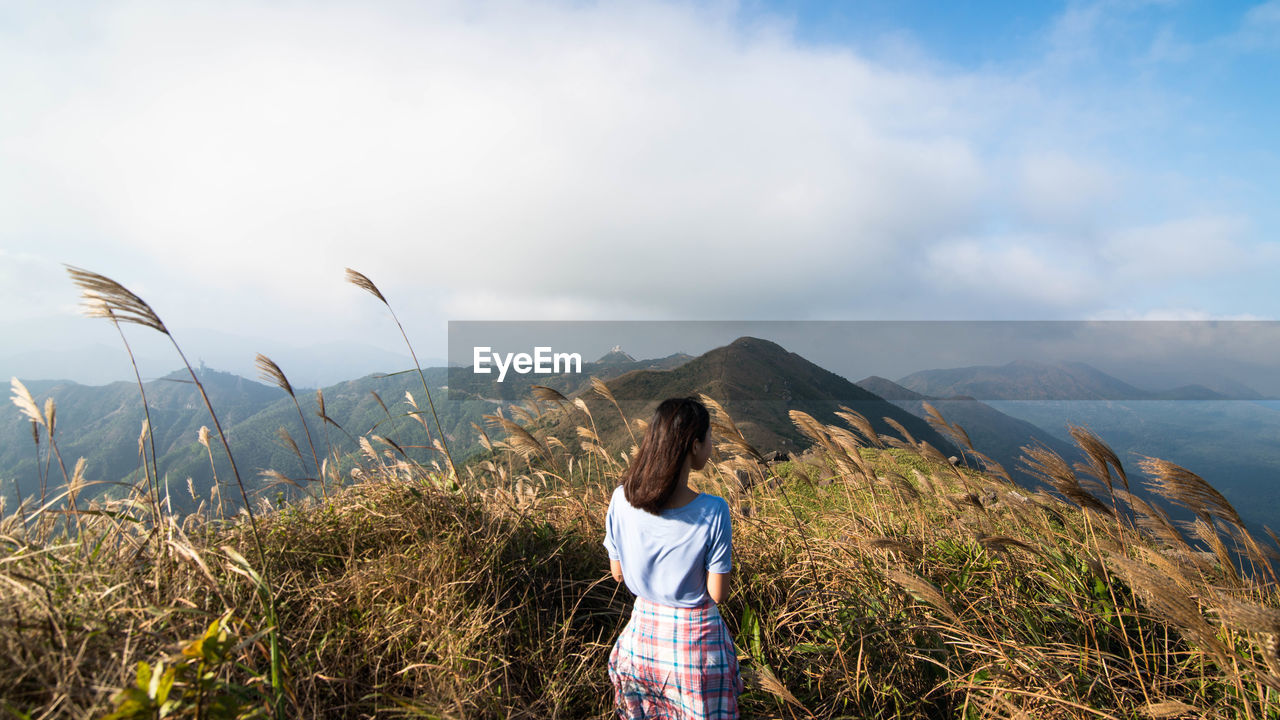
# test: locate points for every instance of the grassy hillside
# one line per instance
(868, 582)
(872, 578)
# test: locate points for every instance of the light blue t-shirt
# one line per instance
(665, 558)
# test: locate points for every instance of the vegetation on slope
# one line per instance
(872, 578)
(868, 580)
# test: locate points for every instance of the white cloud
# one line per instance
(1027, 274)
(554, 150)
(1175, 314)
(554, 160)
(1059, 273)
(1186, 247)
(1059, 189)
(1260, 27)
(1073, 35)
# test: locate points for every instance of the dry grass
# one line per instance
(398, 596)
(872, 579)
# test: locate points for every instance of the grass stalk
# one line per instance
(365, 283)
(272, 372)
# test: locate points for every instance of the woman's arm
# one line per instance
(718, 586)
(615, 567)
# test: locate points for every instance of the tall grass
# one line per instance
(441, 442)
(872, 578)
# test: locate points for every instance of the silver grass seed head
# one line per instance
(360, 281)
(271, 372)
(27, 404)
(106, 298)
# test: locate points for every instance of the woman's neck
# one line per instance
(682, 494)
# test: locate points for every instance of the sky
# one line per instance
(717, 160)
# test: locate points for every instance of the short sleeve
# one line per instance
(610, 544)
(720, 542)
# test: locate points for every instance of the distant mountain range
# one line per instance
(757, 381)
(103, 423)
(1234, 444)
(999, 436)
(1230, 435)
(1022, 380)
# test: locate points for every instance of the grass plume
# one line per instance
(272, 373)
(364, 283)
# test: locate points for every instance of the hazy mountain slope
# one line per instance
(1234, 444)
(993, 433)
(102, 424)
(1022, 380)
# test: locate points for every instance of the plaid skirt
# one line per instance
(675, 664)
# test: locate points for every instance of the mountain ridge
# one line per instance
(1033, 380)
(996, 434)
(758, 382)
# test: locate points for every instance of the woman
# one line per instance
(673, 547)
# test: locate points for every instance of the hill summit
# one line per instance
(758, 382)
(616, 356)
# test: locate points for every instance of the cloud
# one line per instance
(1058, 189)
(547, 151)
(1055, 273)
(552, 160)
(1072, 36)
(1260, 27)
(1028, 274)
(1181, 248)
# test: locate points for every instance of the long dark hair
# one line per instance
(651, 478)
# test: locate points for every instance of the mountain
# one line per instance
(993, 433)
(1186, 392)
(1025, 380)
(757, 382)
(102, 424)
(1234, 444)
(615, 356)
(1223, 433)
(890, 390)
(1234, 390)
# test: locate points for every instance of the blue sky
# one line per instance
(634, 160)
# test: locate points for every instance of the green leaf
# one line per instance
(132, 703)
(153, 687)
(144, 676)
(751, 628)
(811, 648)
(164, 685)
(216, 642)
(194, 649)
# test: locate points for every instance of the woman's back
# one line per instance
(666, 557)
